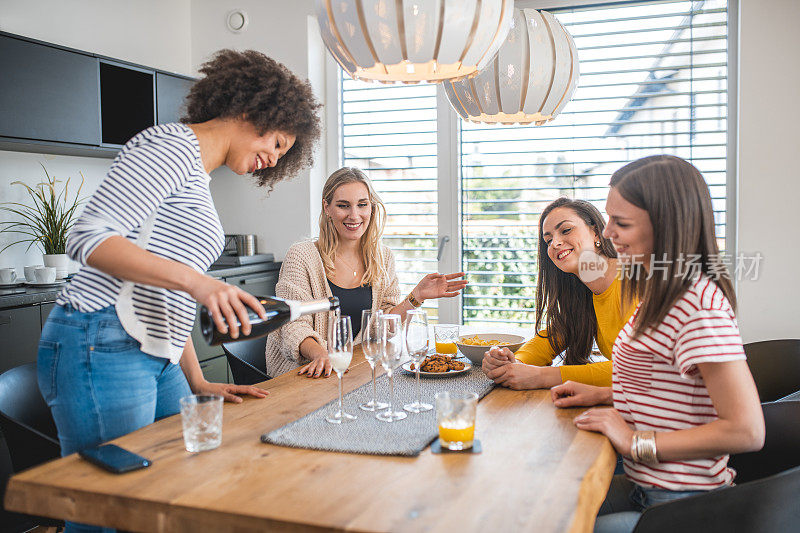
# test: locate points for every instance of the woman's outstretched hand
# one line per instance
(440, 286)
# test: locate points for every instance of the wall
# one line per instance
(769, 188)
(289, 212)
(148, 32)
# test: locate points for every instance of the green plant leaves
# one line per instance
(48, 217)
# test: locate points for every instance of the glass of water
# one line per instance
(201, 415)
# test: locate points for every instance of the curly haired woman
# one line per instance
(110, 350)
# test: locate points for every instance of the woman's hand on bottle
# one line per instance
(319, 367)
(439, 286)
(226, 303)
(229, 391)
(609, 422)
(574, 394)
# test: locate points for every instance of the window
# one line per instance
(654, 79)
(389, 131)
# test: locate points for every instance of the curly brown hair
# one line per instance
(269, 96)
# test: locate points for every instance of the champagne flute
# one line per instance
(390, 351)
(340, 352)
(417, 346)
(369, 345)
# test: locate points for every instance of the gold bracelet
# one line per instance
(413, 301)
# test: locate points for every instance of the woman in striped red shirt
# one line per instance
(682, 393)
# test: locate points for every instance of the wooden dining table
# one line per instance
(536, 472)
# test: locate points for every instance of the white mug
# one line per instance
(30, 273)
(8, 275)
(45, 274)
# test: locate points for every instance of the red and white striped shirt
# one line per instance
(657, 386)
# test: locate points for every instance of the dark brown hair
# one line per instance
(563, 301)
(268, 95)
(676, 197)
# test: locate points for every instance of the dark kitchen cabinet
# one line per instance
(170, 93)
(63, 101)
(47, 93)
(259, 284)
(215, 370)
(127, 102)
(19, 329)
(44, 311)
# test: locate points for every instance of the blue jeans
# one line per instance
(98, 384)
(626, 501)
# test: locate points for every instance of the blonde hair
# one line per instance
(328, 241)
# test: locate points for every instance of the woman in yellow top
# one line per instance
(579, 299)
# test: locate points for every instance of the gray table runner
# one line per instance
(368, 435)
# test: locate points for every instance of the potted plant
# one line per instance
(46, 219)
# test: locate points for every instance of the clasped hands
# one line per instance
(500, 365)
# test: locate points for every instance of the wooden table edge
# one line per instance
(595, 483)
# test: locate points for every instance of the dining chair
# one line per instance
(765, 496)
(29, 430)
(247, 360)
(775, 366)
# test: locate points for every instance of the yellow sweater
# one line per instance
(611, 318)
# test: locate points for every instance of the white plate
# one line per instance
(56, 283)
(467, 368)
(12, 285)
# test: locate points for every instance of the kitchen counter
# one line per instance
(25, 295)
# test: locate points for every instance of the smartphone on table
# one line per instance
(114, 459)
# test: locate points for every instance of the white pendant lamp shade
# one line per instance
(413, 40)
(530, 80)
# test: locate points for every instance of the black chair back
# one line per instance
(781, 449)
(30, 434)
(775, 366)
(25, 419)
(247, 360)
(765, 496)
(767, 505)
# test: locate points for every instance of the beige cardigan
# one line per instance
(302, 277)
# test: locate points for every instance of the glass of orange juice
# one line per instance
(455, 416)
(446, 336)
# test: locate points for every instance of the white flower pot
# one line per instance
(60, 261)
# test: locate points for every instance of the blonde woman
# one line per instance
(347, 261)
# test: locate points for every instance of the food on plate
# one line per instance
(438, 364)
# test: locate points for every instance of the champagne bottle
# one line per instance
(279, 312)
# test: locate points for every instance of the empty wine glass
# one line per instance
(390, 351)
(369, 345)
(417, 346)
(340, 352)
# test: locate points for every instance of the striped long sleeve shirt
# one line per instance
(156, 195)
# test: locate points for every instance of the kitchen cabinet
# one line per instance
(19, 330)
(47, 93)
(170, 93)
(63, 101)
(215, 370)
(44, 311)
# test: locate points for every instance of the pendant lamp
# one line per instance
(411, 41)
(530, 80)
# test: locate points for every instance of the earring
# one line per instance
(597, 244)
